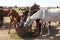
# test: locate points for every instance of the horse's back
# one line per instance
(54, 10)
(52, 14)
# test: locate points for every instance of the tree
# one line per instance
(15, 6)
(57, 7)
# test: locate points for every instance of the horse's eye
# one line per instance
(27, 21)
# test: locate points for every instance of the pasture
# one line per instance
(55, 33)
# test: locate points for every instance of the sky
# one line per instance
(42, 3)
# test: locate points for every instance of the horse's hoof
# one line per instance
(48, 34)
(40, 33)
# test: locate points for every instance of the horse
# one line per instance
(46, 15)
(25, 13)
(34, 8)
(9, 12)
(15, 17)
(3, 13)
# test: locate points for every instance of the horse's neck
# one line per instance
(37, 15)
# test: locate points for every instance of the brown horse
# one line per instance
(14, 17)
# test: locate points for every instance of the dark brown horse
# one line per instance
(33, 10)
(3, 13)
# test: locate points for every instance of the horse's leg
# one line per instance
(1, 22)
(41, 28)
(47, 25)
(38, 26)
(14, 23)
(9, 28)
(58, 23)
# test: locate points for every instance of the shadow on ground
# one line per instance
(6, 26)
(54, 34)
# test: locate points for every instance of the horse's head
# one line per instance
(28, 22)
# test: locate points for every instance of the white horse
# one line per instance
(47, 15)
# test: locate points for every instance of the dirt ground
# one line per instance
(4, 34)
(55, 34)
